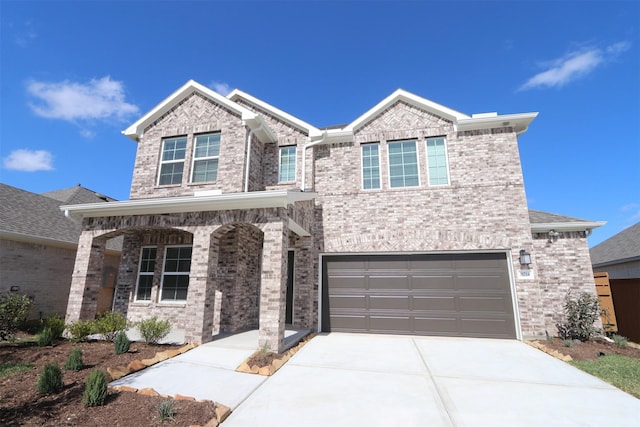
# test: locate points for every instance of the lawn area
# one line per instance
(12, 368)
(620, 371)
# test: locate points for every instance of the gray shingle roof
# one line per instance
(624, 246)
(77, 195)
(539, 217)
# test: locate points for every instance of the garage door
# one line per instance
(467, 295)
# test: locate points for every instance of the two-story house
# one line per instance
(412, 219)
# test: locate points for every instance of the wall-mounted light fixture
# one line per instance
(553, 235)
(525, 258)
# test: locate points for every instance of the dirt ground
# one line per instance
(21, 405)
(590, 350)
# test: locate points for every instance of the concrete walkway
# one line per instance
(207, 371)
(384, 380)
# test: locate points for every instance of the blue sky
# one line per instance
(75, 74)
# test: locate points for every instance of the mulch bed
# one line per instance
(590, 350)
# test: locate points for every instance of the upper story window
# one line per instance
(206, 152)
(370, 166)
(403, 164)
(287, 170)
(175, 274)
(437, 167)
(146, 269)
(172, 160)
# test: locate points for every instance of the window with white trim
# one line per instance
(172, 160)
(146, 269)
(370, 166)
(403, 164)
(437, 165)
(206, 152)
(175, 273)
(287, 169)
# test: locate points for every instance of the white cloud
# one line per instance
(29, 160)
(98, 99)
(629, 207)
(221, 87)
(574, 65)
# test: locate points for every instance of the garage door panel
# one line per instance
(428, 294)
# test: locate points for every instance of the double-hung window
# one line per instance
(205, 157)
(437, 161)
(370, 166)
(287, 169)
(172, 161)
(403, 164)
(146, 269)
(175, 274)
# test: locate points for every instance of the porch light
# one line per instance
(525, 257)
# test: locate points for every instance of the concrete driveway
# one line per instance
(383, 380)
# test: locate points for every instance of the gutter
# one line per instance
(545, 227)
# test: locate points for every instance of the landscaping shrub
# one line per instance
(109, 324)
(580, 313)
(45, 337)
(80, 330)
(56, 324)
(74, 362)
(121, 343)
(13, 311)
(153, 330)
(50, 379)
(166, 410)
(620, 340)
(95, 392)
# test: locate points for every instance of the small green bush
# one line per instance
(109, 324)
(80, 330)
(56, 324)
(50, 379)
(13, 311)
(569, 343)
(166, 410)
(121, 343)
(45, 337)
(74, 362)
(581, 314)
(95, 392)
(620, 340)
(153, 330)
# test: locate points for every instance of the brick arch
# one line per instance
(416, 241)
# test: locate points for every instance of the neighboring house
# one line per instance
(38, 248)
(619, 256)
(412, 219)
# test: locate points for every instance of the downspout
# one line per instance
(246, 173)
(304, 156)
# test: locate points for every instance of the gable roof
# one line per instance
(623, 247)
(542, 222)
(254, 121)
(76, 195)
(293, 121)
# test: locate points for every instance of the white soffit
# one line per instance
(566, 226)
(520, 122)
(311, 131)
(136, 129)
(411, 99)
(166, 205)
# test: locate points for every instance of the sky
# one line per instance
(74, 74)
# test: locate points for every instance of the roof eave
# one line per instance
(616, 261)
(545, 227)
(520, 122)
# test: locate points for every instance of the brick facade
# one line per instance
(238, 272)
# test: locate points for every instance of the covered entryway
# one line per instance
(461, 294)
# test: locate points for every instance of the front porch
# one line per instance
(209, 272)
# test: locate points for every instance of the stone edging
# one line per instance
(276, 363)
(554, 353)
(221, 411)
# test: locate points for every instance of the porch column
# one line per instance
(86, 278)
(273, 286)
(201, 294)
(127, 273)
(305, 293)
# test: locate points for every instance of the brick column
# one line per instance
(87, 278)
(305, 292)
(127, 273)
(201, 295)
(274, 286)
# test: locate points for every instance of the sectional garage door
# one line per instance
(467, 295)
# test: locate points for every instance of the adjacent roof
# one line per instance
(77, 194)
(253, 120)
(623, 247)
(542, 222)
(36, 218)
